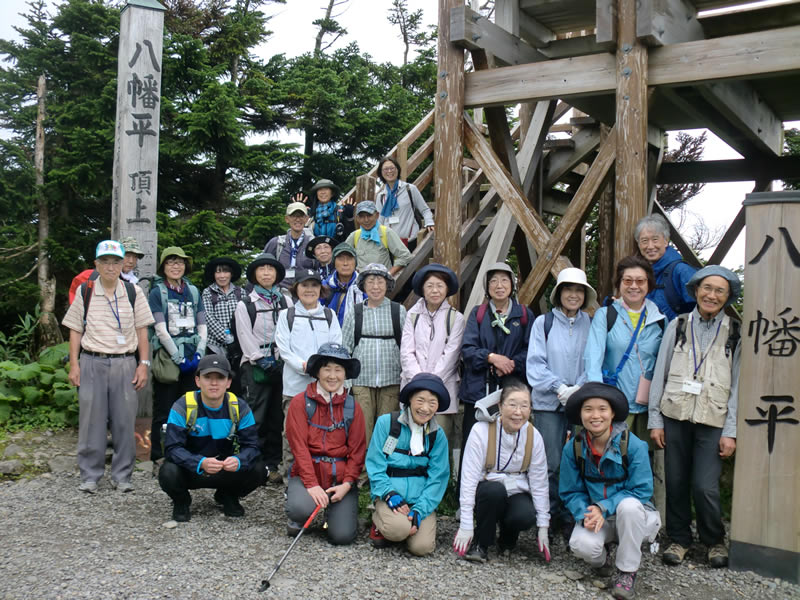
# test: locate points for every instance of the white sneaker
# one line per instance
(122, 486)
(90, 487)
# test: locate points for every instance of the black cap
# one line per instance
(214, 363)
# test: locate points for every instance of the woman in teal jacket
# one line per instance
(408, 467)
(624, 340)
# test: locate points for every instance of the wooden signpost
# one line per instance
(135, 185)
(765, 525)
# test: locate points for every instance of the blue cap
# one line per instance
(429, 382)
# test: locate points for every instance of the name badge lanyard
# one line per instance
(499, 445)
(116, 314)
(697, 365)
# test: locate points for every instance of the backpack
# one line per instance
(577, 440)
(451, 319)
(611, 318)
(670, 293)
(485, 306)
(85, 290)
(282, 242)
(237, 291)
(291, 311)
(191, 419)
(397, 327)
(348, 414)
(234, 348)
(384, 240)
(491, 449)
(734, 334)
(80, 278)
(390, 445)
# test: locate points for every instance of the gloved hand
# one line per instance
(394, 500)
(544, 543)
(462, 541)
(185, 366)
(564, 394)
(415, 518)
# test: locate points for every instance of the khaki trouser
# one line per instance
(288, 457)
(374, 402)
(396, 527)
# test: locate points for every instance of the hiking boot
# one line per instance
(675, 553)
(274, 476)
(231, 506)
(89, 487)
(292, 528)
(606, 569)
(376, 538)
(477, 553)
(181, 512)
(219, 496)
(718, 556)
(623, 585)
(122, 486)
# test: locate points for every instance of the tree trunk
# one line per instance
(49, 332)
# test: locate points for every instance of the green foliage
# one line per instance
(791, 140)
(38, 394)
(19, 345)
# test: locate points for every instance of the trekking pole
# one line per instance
(265, 582)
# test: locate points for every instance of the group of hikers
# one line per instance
(310, 375)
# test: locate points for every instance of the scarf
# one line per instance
(338, 300)
(499, 320)
(294, 247)
(325, 219)
(325, 271)
(178, 289)
(372, 235)
(391, 200)
(417, 443)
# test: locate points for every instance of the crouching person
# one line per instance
(325, 430)
(408, 467)
(211, 442)
(607, 485)
(504, 478)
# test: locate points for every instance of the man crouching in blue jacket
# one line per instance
(607, 485)
(211, 442)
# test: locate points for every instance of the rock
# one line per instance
(48, 433)
(170, 525)
(554, 578)
(62, 464)
(146, 466)
(574, 575)
(599, 583)
(37, 440)
(11, 467)
(12, 450)
(20, 435)
(580, 587)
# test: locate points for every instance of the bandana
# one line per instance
(499, 320)
(391, 200)
(373, 235)
(417, 444)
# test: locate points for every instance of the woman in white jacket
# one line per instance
(300, 331)
(503, 480)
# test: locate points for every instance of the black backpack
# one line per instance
(234, 348)
(390, 445)
(86, 288)
(358, 323)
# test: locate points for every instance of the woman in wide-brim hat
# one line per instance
(259, 363)
(409, 467)
(325, 430)
(432, 336)
(220, 299)
(329, 216)
(321, 249)
(607, 485)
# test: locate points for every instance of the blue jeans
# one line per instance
(553, 427)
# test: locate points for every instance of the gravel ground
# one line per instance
(60, 543)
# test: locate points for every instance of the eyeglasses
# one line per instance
(110, 262)
(708, 289)
(174, 262)
(499, 281)
(640, 281)
(434, 286)
(389, 169)
(514, 407)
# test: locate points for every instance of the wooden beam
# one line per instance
(420, 155)
(533, 31)
(676, 238)
(662, 22)
(772, 52)
(586, 142)
(365, 188)
(734, 229)
(786, 168)
(470, 30)
(594, 182)
(448, 142)
(630, 183)
(606, 21)
(605, 233)
(576, 46)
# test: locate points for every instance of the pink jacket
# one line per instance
(421, 354)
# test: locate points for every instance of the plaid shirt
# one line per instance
(218, 316)
(380, 358)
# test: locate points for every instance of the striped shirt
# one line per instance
(102, 326)
(380, 358)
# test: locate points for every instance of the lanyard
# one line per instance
(694, 350)
(116, 314)
(499, 444)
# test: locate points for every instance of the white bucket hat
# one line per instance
(573, 275)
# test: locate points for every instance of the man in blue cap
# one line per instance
(375, 243)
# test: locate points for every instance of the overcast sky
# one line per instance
(366, 22)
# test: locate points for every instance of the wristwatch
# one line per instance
(146, 363)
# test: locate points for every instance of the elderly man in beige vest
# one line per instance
(692, 411)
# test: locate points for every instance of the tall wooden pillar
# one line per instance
(631, 166)
(448, 143)
(766, 514)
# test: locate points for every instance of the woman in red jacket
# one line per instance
(325, 430)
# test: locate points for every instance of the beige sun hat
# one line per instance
(573, 275)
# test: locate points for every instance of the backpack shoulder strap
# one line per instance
(431, 441)
(611, 317)
(311, 407)
(237, 291)
(356, 237)
(671, 294)
(162, 288)
(280, 245)
(290, 316)
(577, 450)
(195, 295)
(85, 291)
(328, 316)
(358, 322)
(526, 460)
(623, 450)
(524, 318)
(394, 433)
(491, 446)
(414, 319)
(734, 334)
(397, 327)
(548, 324)
(233, 408)
(384, 236)
(191, 410)
(680, 331)
(131, 289)
(349, 412)
(481, 312)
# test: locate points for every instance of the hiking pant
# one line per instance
(164, 396)
(630, 526)
(342, 516)
(396, 527)
(493, 507)
(265, 400)
(552, 426)
(177, 481)
(288, 457)
(692, 467)
(374, 402)
(106, 396)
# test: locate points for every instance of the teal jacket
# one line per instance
(422, 493)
